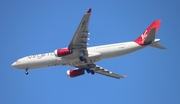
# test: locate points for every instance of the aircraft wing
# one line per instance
(105, 72)
(80, 38)
(102, 71)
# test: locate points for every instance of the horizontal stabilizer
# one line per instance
(156, 45)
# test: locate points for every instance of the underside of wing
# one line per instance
(92, 68)
(80, 38)
(79, 42)
(105, 72)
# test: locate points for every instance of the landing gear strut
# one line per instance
(82, 56)
(26, 72)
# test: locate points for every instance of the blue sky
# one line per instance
(40, 26)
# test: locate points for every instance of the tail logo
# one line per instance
(144, 35)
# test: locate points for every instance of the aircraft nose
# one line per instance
(14, 65)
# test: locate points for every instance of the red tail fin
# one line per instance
(140, 39)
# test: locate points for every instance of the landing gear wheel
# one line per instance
(88, 70)
(85, 60)
(92, 72)
(26, 72)
(81, 58)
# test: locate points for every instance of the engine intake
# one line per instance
(74, 73)
(62, 52)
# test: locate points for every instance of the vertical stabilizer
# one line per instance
(148, 35)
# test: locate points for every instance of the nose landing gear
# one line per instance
(26, 72)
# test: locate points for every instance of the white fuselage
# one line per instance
(95, 54)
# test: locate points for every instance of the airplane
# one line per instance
(83, 58)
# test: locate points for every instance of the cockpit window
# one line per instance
(18, 61)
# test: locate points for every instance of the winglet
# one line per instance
(126, 76)
(89, 11)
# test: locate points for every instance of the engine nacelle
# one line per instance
(74, 73)
(62, 52)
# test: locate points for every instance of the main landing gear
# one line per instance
(90, 71)
(81, 58)
(26, 72)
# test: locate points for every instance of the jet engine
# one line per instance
(62, 52)
(74, 73)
